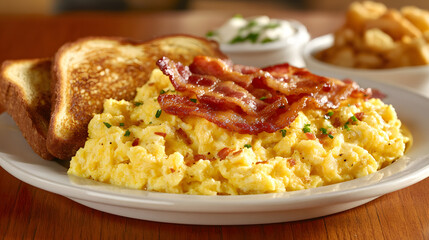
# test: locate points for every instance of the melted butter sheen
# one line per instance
(144, 150)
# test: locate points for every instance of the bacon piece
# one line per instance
(208, 88)
(135, 142)
(200, 157)
(224, 152)
(310, 136)
(360, 115)
(215, 67)
(228, 119)
(291, 80)
(228, 95)
(162, 134)
(182, 134)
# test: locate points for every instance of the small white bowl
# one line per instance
(266, 54)
(413, 78)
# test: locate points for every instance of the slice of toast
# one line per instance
(26, 96)
(90, 70)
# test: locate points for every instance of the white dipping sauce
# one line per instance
(259, 29)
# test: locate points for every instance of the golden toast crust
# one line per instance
(90, 70)
(28, 101)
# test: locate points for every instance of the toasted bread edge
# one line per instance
(66, 148)
(19, 109)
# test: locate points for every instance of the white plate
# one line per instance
(413, 78)
(17, 158)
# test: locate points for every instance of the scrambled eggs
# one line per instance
(136, 145)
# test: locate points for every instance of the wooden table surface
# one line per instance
(30, 213)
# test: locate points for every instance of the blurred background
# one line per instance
(60, 6)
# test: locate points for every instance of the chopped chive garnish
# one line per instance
(138, 104)
(247, 145)
(210, 34)
(263, 98)
(127, 133)
(306, 128)
(121, 124)
(328, 115)
(325, 132)
(283, 131)
(346, 126)
(194, 100)
(158, 113)
(107, 124)
(354, 118)
(162, 91)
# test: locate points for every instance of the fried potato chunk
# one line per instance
(376, 37)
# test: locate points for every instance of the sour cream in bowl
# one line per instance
(261, 41)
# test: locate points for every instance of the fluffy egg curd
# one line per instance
(136, 145)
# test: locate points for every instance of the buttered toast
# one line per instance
(26, 96)
(90, 70)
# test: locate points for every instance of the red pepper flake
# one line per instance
(189, 162)
(310, 136)
(136, 142)
(200, 157)
(360, 115)
(224, 152)
(291, 162)
(172, 170)
(182, 134)
(263, 162)
(336, 122)
(162, 134)
(237, 152)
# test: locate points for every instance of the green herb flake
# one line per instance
(328, 115)
(210, 34)
(107, 124)
(194, 100)
(306, 128)
(263, 98)
(325, 132)
(158, 113)
(162, 91)
(138, 104)
(121, 124)
(272, 25)
(127, 133)
(268, 40)
(346, 126)
(247, 145)
(283, 131)
(354, 118)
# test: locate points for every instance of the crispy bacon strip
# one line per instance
(214, 67)
(268, 121)
(209, 88)
(229, 95)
